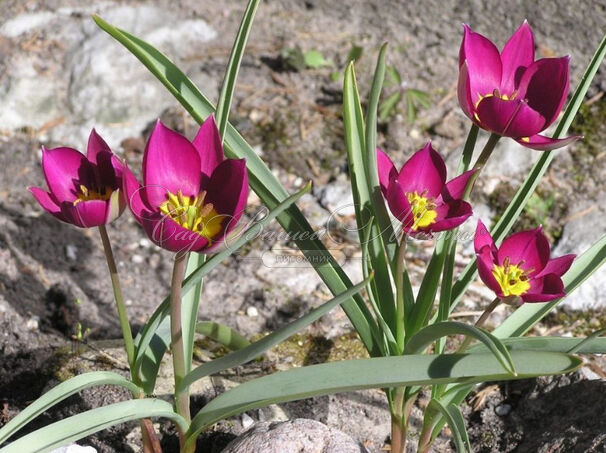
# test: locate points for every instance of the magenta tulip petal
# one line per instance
(485, 264)
(424, 172)
(87, 214)
(545, 87)
(387, 170)
(166, 233)
(544, 289)
(170, 163)
(109, 168)
(464, 91)
(542, 143)
(96, 144)
(228, 190)
(62, 169)
(455, 188)
(134, 195)
(517, 55)
(558, 266)
(509, 118)
(210, 148)
(450, 215)
(47, 203)
(398, 203)
(530, 248)
(483, 63)
(482, 238)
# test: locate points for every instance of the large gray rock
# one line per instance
(293, 436)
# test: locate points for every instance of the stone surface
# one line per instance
(293, 436)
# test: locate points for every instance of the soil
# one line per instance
(53, 277)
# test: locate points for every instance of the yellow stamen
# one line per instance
(192, 213)
(511, 278)
(525, 139)
(86, 194)
(423, 210)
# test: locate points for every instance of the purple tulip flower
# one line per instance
(418, 195)
(509, 93)
(85, 191)
(521, 266)
(191, 196)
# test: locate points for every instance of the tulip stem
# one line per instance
(122, 315)
(480, 322)
(486, 152)
(399, 280)
(176, 344)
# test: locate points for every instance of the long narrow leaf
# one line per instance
(89, 422)
(429, 334)
(382, 372)
(377, 202)
(262, 180)
(61, 392)
(160, 316)
(259, 347)
(231, 73)
(587, 345)
(355, 140)
(455, 420)
(223, 334)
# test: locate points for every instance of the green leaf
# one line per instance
(388, 106)
(314, 59)
(390, 343)
(393, 76)
(525, 191)
(355, 53)
(155, 338)
(429, 334)
(377, 202)
(223, 334)
(261, 179)
(61, 392)
(293, 58)
(361, 186)
(89, 422)
(427, 291)
(259, 347)
(382, 372)
(231, 73)
(589, 345)
(455, 420)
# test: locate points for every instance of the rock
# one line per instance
(336, 197)
(71, 252)
(252, 312)
(578, 235)
(247, 421)
(298, 435)
(91, 80)
(503, 410)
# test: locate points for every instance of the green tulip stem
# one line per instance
(480, 322)
(176, 344)
(399, 280)
(122, 315)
